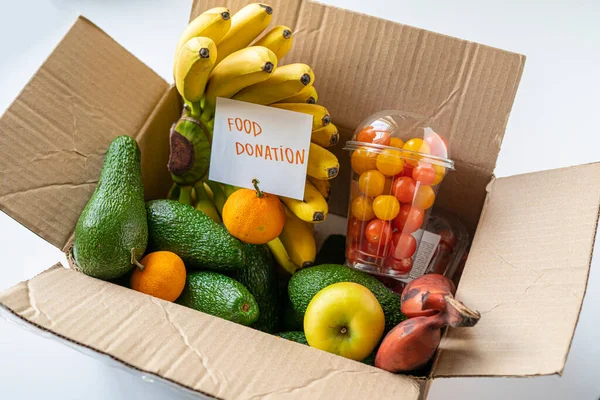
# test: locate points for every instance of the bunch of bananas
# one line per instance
(215, 57)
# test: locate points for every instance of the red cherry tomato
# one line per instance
(438, 145)
(424, 173)
(409, 219)
(355, 229)
(403, 189)
(407, 171)
(373, 249)
(448, 237)
(375, 136)
(378, 232)
(401, 266)
(403, 246)
(352, 254)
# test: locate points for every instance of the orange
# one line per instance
(363, 159)
(389, 162)
(371, 183)
(253, 216)
(163, 275)
(362, 208)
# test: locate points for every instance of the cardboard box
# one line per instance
(528, 266)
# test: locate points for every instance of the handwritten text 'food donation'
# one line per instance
(251, 141)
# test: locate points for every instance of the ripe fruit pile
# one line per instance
(216, 57)
(394, 186)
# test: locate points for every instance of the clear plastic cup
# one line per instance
(398, 163)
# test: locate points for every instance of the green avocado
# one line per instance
(294, 336)
(196, 238)
(219, 295)
(307, 282)
(260, 279)
(113, 224)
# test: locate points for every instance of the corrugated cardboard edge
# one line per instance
(182, 345)
(56, 131)
(586, 180)
(76, 344)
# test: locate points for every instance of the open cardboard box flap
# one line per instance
(527, 269)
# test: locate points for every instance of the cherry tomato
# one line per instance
(362, 208)
(440, 172)
(390, 162)
(447, 237)
(378, 232)
(418, 146)
(386, 207)
(424, 173)
(438, 145)
(401, 266)
(355, 229)
(352, 254)
(363, 159)
(424, 197)
(372, 135)
(371, 183)
(407, 171)
(403, 246)
(409, 219)
(374, 249)
(403, 189)
(396, 142)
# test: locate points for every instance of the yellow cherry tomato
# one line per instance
(440, 172)
(362, 208)
(390, 162)
(386, 207)
(371, 183)
(418, 146)
(363, 159)
(424, 197)
(396, 142)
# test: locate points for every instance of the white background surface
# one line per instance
(553, 124)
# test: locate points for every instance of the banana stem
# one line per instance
(195, 110)
(173, 193)
(259, 193)
(185, 195)
(218, 195)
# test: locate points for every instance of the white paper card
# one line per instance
(251, 141)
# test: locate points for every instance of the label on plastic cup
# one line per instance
(427, 247)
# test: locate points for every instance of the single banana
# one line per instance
(205, 204)
(278, 40)
(241, 69)
(246, 25)
(307, 95)
(326, 136)
(312, 209)
(194, 64)
(281, 256)
(323, 186)
(189, 151)
(213, 24)
(287, 80)
(219, 197)
(319, 113)
(322, 164)
(299, 240)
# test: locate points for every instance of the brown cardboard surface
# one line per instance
(198, 351)
(54, 135)
(527, 274)
(364, 64)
